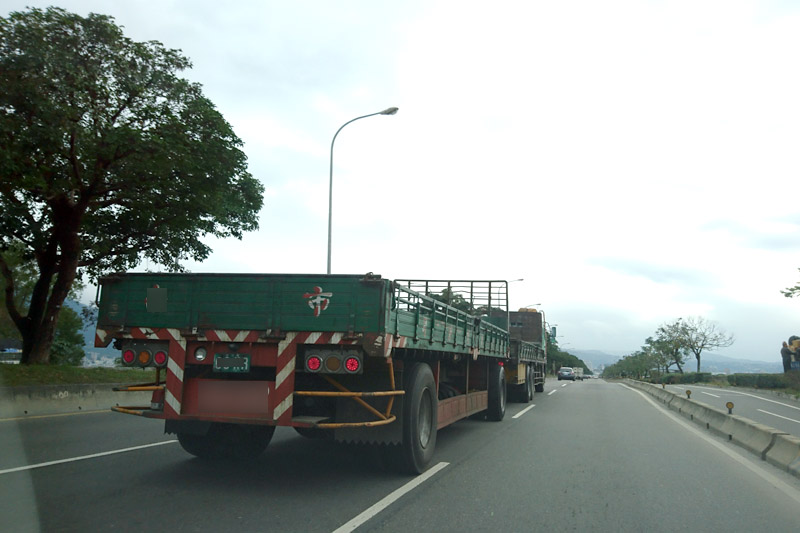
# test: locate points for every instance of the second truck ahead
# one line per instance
(352, 358)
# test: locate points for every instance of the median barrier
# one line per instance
(750, 435)
(61, 399)
(683, 406)
(785, 454)
(663, 395)
(774, 446)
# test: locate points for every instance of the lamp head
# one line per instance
(389, 111)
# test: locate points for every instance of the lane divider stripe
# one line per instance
(83, 457)
(388, 500)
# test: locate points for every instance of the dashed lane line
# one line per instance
(83, 457)
(779, 416)
(524, 411)
(373, 511)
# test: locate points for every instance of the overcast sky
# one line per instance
(633, 161)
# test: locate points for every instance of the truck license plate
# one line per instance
(231, 362)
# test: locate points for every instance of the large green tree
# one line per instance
(670, 345)
(107, 157)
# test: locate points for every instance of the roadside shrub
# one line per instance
(770, 381)
(761, 381)
(694, 377)
(743, 380)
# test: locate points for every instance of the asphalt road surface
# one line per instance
(774, 411)
(587, 456)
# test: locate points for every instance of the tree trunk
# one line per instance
(58, 261)
(698, 364)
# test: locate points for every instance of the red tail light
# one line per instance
(160, 358)
(314, 363)
(352, 364)
(128, 357)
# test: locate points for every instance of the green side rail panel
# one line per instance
(365, 306)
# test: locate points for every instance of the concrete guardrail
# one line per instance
(42, 400)
(774, 446)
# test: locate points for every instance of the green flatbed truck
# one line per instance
(355, 358)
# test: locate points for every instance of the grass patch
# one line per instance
(22, 375)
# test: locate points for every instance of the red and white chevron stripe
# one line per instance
(283, 395)
(281, 398)
(390, 342)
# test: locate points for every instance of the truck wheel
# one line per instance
(529, 387)
(419, 420)
(497, 393)
(538, 387)
(522, 393)
(228, 441)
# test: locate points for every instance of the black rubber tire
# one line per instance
(529, 388)
(522, 393)
(538, 387)
(314, 433)
(419, 421)
(497, 392)
(228, 441)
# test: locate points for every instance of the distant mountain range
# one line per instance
(711, 362)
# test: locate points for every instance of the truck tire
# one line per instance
(538, 387)
(529, 384)
(228, 441)
(497, 392)
(522, 393)
(419, 422)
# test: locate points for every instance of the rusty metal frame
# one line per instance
(344, 392)
(132, 410)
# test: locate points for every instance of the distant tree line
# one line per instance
(671, 346)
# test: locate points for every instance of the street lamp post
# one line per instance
(388, 111)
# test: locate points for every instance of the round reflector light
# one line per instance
(352, 364)
(200, 354)
(144, 357)
(160, 358)
(333, 364)
(128, 357)
(314, 363)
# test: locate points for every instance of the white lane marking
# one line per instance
(83, 457)
(709, 394)
(524, 411)
(552, 392)
(564, 385)
(779, 416)
(783, 487)
(359, 520)
(761, 398)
